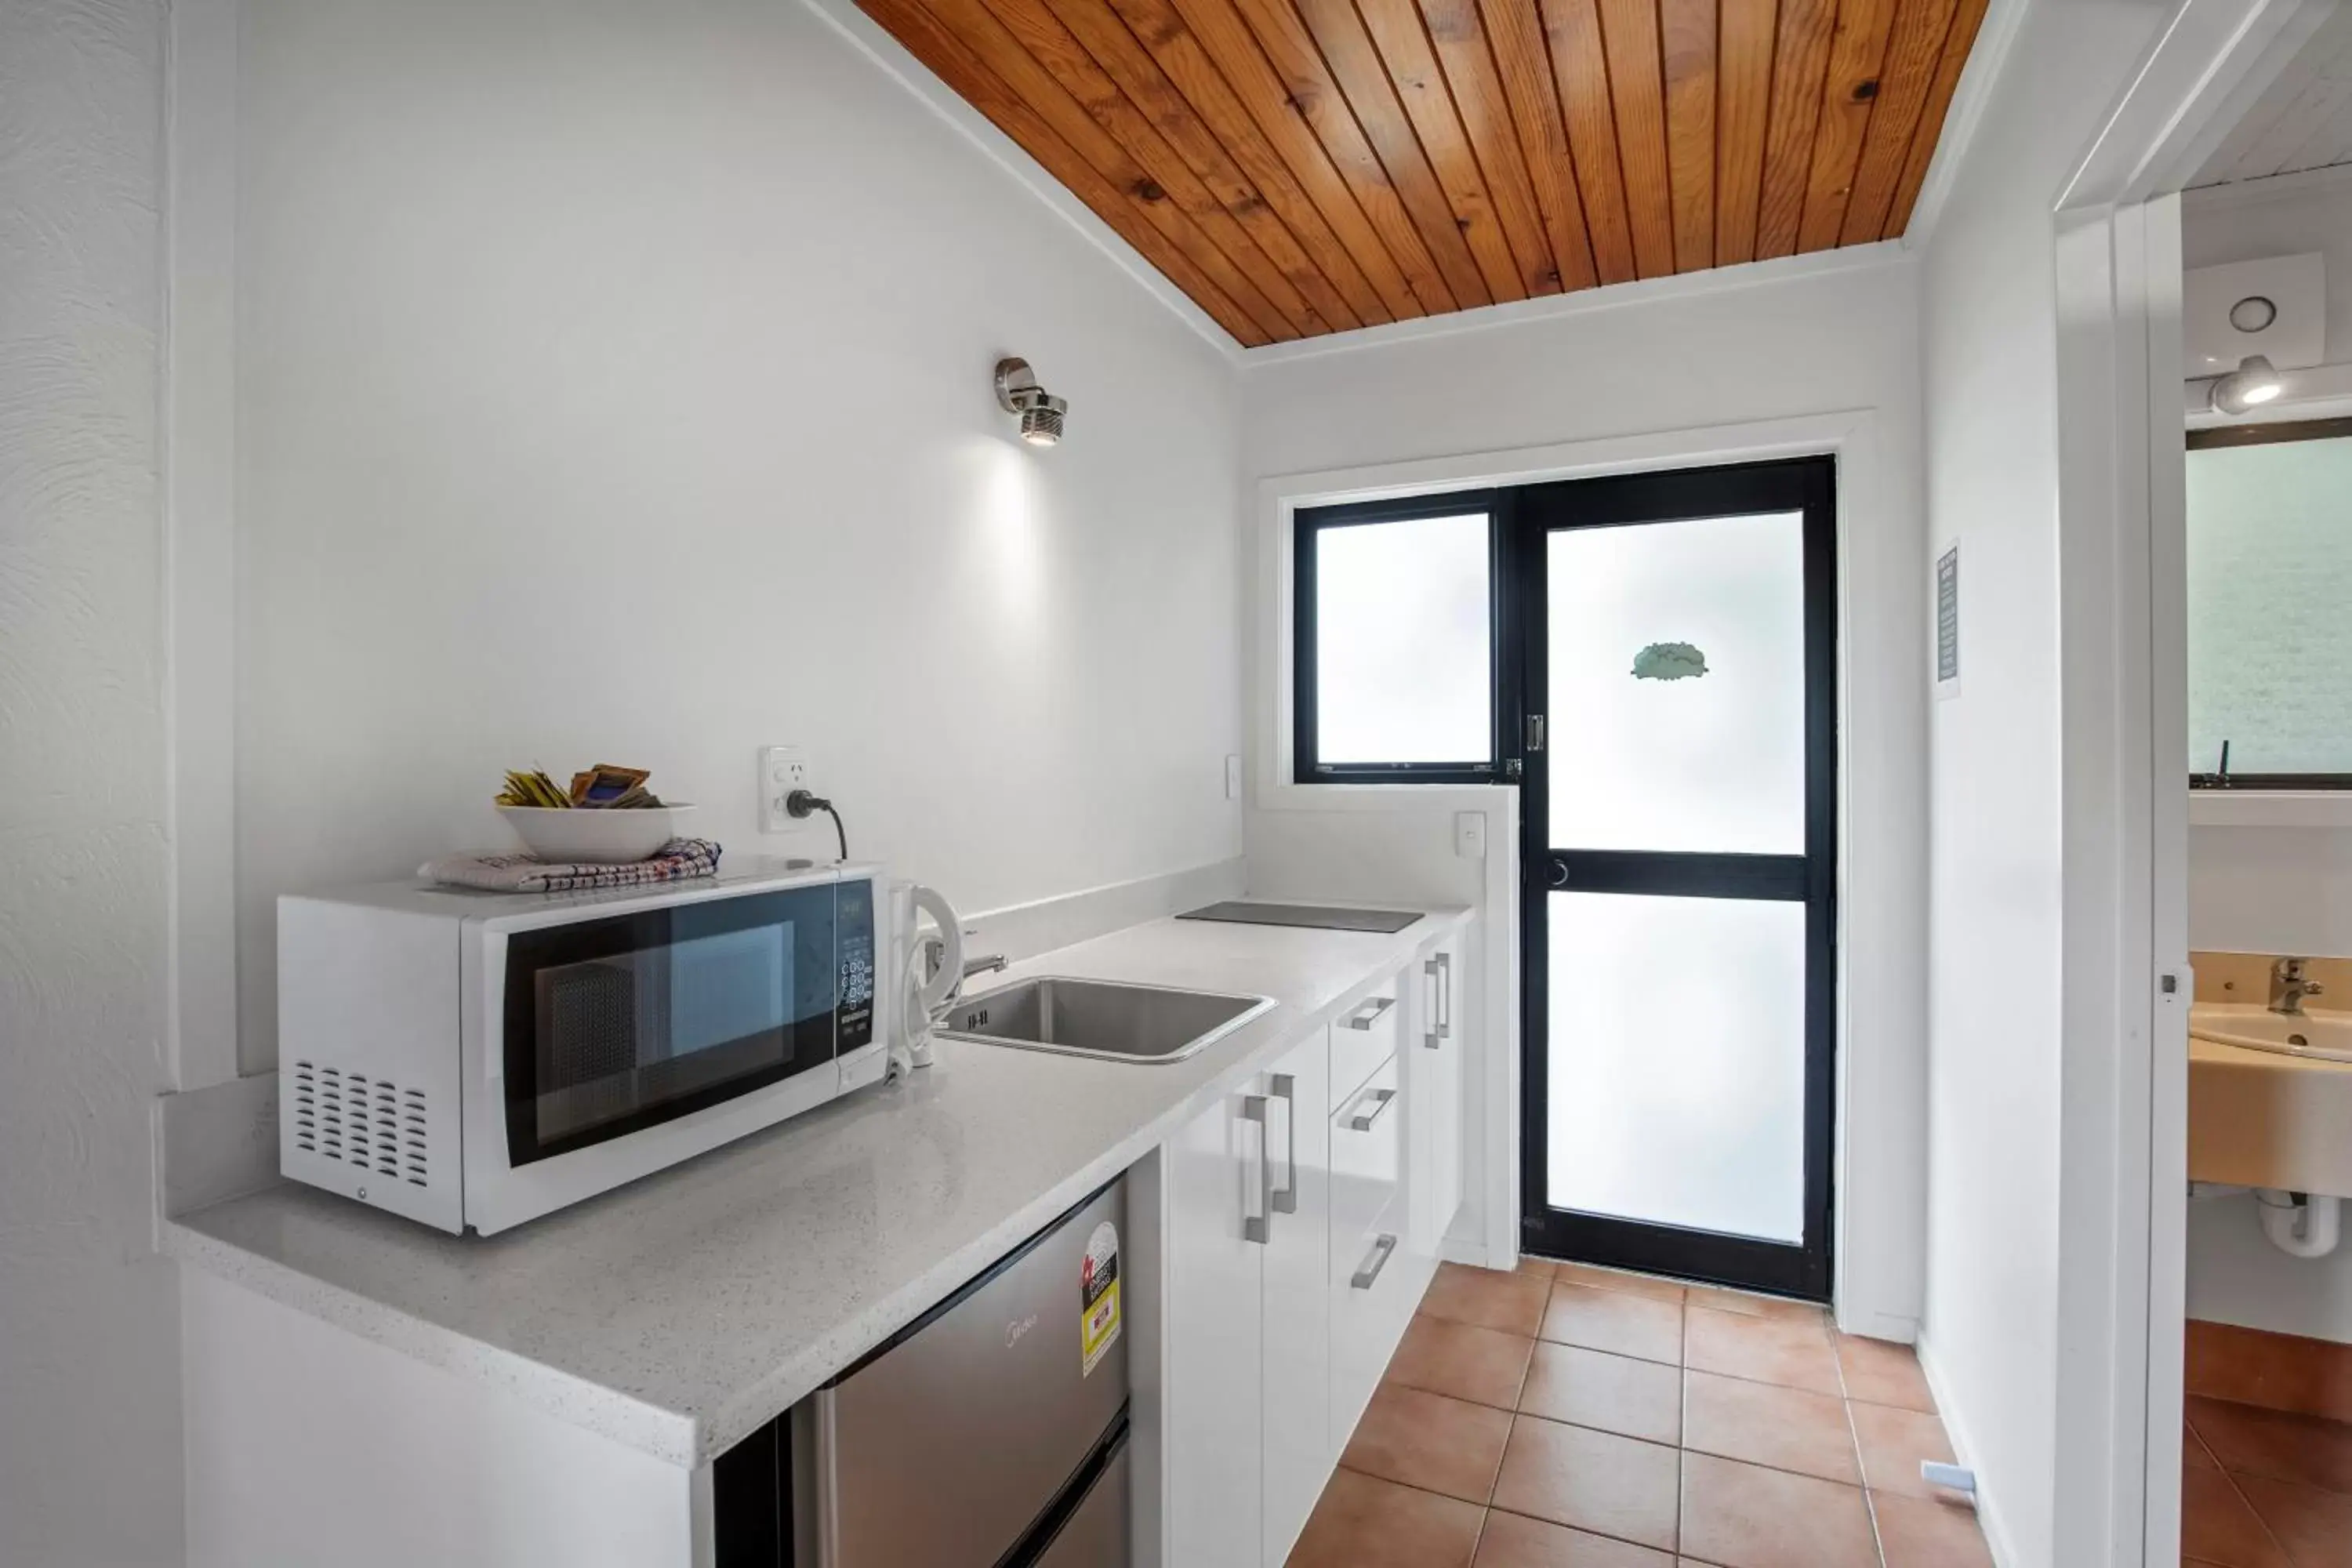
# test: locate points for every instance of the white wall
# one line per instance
(1757, 344)
(89, 1425)
(1990, 327)
(2285, 217)
(621, 391)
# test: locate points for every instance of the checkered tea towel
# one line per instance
(679, 860)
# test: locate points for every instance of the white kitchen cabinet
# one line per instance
(1215, 1349)
(1293, 1305)
(1371, 1294)
(1434, 1052)
(1248, 1341)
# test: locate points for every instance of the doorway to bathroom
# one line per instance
(1674, 637)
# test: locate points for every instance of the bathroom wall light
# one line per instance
(1041, 412)
(2252, 383)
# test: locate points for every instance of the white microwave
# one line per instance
(473, 1060)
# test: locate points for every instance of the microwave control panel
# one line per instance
(854, 937)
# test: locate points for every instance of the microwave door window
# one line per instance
(655, 1016)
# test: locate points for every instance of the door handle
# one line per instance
(1362, 1121)
(1382, 1250)
(1259, 1226)
(1440, 969)
(1365, 1016)
(1286, 1201)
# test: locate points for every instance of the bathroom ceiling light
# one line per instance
(1018, 392)
(2252, 383)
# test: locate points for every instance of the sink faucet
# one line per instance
(2288, 987)
(934, 950)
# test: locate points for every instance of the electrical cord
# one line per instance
(801, 803)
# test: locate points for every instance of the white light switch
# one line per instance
(1233, 778)
(1470, 835)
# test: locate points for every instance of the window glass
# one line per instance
(2270, 577)
(1403, 642)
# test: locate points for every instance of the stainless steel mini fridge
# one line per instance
(990, 1433)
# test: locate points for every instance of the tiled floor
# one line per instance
(1582, 1419)
(2264, 1490)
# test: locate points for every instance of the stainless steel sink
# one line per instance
(1106, 1018)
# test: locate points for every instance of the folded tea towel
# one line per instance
(679, 860)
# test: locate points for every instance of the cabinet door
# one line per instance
(1295, 1309)
(1436, 1046)
(1216, 1174)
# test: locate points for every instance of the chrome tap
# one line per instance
(2288, 987)
(934, 950)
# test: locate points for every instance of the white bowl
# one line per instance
(601, 836)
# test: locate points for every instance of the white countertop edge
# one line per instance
(680, 1437)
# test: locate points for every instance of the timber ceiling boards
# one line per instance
(1300, 167)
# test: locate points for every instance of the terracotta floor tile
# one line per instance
(1535, 1267)
(1894, 1442)
(1429, 1441)
(1881, 1372)
(1513, 1303)
(2315, 1526)
(1785, 1428)
(1915, 1532)
(2257, 1442)
(1742, 1303)
(2218, 1527)
(1745, 1516)
(1614, 1393)
(1786, 1351)
(1485, 1366)
(1362, 1521)
(1590, 1480)
(1614, 1321)
(1648, 1285)
(1513, 1542)
(2193, 1451)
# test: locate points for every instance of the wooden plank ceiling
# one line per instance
(1300, 167)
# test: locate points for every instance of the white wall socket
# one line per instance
(1233, 778)
(783, 769)
(1470, 835)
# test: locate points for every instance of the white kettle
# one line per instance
(923, 997)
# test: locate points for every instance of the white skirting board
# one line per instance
(1989, 1517)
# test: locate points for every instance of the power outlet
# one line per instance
(783, 769)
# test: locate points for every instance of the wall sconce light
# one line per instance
(2253, 382)
(1041, 412)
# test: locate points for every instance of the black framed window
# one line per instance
(2268, 507)
(1399, 676)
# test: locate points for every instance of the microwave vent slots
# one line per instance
(371, 1124)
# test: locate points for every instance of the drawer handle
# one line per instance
(1382, 1250)
(1365, 1016)
(1362, 1121)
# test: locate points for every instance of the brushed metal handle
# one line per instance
(1382, 1250)
(1286, 1201)
(1445, 961)
(1365, 1016)
(1259, 1226)
(1362, 1121)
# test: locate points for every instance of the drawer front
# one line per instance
(1366, 1035)
(1375, 1284)
(1367, 1155)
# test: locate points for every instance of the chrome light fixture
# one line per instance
(1018, 392)
(2252, 383)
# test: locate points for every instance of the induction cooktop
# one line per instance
(1319, 917)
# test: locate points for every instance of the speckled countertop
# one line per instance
(679, 1314)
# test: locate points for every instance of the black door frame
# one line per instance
(1806, 485)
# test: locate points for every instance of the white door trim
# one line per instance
(2123, 1083)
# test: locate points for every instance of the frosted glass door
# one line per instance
(1681, 1102)
(1679, 823)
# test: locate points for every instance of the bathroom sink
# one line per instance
(1110, 1019)
(2318, 1033)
